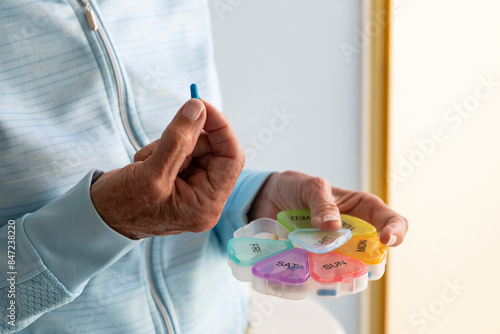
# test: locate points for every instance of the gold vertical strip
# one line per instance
(380, 108)
(378, 146)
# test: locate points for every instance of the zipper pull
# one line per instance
(90, 14)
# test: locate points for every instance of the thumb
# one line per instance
(324, 212)
(179, 139)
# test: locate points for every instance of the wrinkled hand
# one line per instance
(292, 190)
(179, 183)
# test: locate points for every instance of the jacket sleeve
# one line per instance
(235, 212)
(58, 249)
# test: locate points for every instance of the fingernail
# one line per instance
(328, 218)
(392, 240)
(192, 110)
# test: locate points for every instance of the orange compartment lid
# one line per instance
(368, 249)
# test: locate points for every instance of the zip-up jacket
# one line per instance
(83, 85)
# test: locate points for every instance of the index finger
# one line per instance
(224, 167)
(391, 225)
(221, 135)
(394, 226)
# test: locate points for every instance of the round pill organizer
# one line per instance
(288, 258)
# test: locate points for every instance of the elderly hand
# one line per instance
(292, 190)
(179, 183)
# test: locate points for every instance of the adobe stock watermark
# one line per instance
(265, 136)
(374, 27)
(150, 83)
(221, 7)
(453, 119)
(262, 309)
(422, 318)
(29, 26)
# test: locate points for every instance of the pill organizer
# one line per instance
(288, 258)
(370, 251)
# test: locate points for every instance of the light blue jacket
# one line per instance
(73, 100)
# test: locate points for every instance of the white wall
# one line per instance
(284, 56)
(449, 190)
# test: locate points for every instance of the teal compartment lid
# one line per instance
(248, 251)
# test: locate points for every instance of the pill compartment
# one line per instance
(243, 253)
(266, 228)
(370, 251)
(335, 275)
(295, 219)
(320, 241)
(376, 271)
(301, 219)
(357, 226)
(284, 275)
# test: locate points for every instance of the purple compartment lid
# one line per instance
(291, 266)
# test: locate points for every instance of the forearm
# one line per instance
(57, 250)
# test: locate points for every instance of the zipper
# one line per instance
(95, 25)
(154, 293)
(90, 15)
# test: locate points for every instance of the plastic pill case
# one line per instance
(287, 258)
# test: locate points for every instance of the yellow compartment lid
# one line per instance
(357, 226)
(299, 219)
(367, 249)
